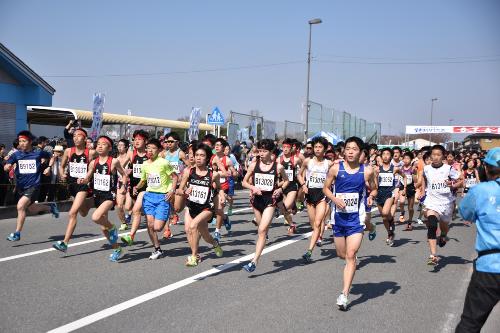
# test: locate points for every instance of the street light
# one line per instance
(432, 109)
(308, 105)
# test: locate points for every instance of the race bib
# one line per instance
(264, 181)
(26, 166)
(386, 179)
(154, 180)
(199, 194)
(351, 201)
(409, 179)
(102, 182)
(222, 180)
(440, 187)
(316, 180)
(289, 174)
(137, 170)
(77, 170)
(175, 166)
(470, 182)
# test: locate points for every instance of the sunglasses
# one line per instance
(170, 141)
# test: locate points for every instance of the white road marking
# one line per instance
(94, 240)
(85, 321)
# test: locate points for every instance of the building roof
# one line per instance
(482, 136)
(21, 71)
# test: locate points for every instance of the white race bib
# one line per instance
(351, 201)
(137, 170)
(175, 166)
(199, 194)
(386, 179)
(26, 166)
(470, 182)
(78, 170)
(154, 180)
(102, 182)
(289, 174)
(409, 179)
(316, 180)
(222, 180)
(264, 181)
(440, 187)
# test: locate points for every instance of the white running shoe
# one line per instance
(342, 302)
(419, 221)
(156, 254)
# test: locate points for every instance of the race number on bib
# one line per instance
(289, 174)
(409, 179)
(316, 180)
(136, 170)
(102, 182)
(351, 201)
(77, 170)
(154, 180)
(440, 187)
(264, 181)
(386, 179)
(470, 182)
(26, 166)
(199, 194)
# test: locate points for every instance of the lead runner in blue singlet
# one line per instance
(350, 181)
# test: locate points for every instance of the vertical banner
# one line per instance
(97, 110)
(194, 122)
(253, 129)
(232, 133)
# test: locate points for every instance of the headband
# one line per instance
(82, 132)
(24, 137)
(108, 140)
(140, 136)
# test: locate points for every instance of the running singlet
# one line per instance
(78, 165)
(157, 174)
(290, 168)
(352, 190)
(104, 182)
(386, 181)
(137, 162)
(224, 181)
(408, 173)
(470, 180)
(315, 179)
(201, 189)
(28, 170)
(265, 181)
(436, 188)
(175, 161)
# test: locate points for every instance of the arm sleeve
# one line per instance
(467, 207)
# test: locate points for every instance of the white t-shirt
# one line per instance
(438, 192)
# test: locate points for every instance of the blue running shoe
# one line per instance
(372, 235)
(227, 223)
(250, 267)
(128, 218)
(307, 257)
(217, 236)
(113, 235)
(14, 237)
(60, 246)
(54, 210)
(115, 255)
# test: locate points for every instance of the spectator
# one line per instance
(237, 150)
(55, 190)
(68, 132)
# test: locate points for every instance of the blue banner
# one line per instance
(97, 110)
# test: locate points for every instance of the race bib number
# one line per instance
(199, 194)
(386, 179)
(77, 170)
(440, 187)
(289, 174)
(154, 180)
(102, 182)
(316, 180)
(175, 166)
(409, 179)
(351, 201)
(222, 180)
(264, 182)
(26, 166)
(470, 182)
(136, 170)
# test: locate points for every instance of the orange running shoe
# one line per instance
(167, 233)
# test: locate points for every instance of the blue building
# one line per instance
(20, 86)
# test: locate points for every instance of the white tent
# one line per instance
(331, 137)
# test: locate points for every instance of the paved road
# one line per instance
(394, 290)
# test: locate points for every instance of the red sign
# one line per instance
(476, 129)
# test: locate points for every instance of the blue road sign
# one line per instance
(216, 117)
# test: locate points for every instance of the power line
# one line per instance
(411, 59)
(407, 62)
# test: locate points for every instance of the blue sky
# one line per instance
(96, 38)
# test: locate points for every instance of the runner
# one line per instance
(407, 190)
(371, 227)
(471, 176)
(160, 178)
(137, 158)
(265, 193)
(385, 194)
(231, 179)
(77, 159)
(397, 162)
(350, 179)
(439, 180)
(28, 173)
(102, 171)
(312, 178)
(121, 198)
(202, 182)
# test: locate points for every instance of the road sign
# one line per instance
(216, 117)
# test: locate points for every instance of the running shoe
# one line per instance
(255, 222)
(156, 254)
(123, 227)
(115, 255)
(389, 241)
(54, 210)
(128, 218)
(442, 240)
(192, 261)
(217, 236)
(319, 242)
(372, 235)
(113, 235)
(218, 250)
(432, 260)
(292, 230)
(227, 223)
(229, 211)
(175, 219)
(342, 302)
(409, 227)
(300, 205)
(14, 237)
(60, 246)
(419, 221)
(250, 267)
(127, 239)
(307, 256)
(167, 233)
(402, 218)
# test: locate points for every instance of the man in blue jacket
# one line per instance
(482, 206)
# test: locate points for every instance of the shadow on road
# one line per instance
(53, 239)
(403, 241)
(450, 260)
(373, 259)
(371, 290)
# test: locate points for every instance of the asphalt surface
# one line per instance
(393, 291)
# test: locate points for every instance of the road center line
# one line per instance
(85, 321)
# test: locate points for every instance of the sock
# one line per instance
(217, 230)
(158, 248)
